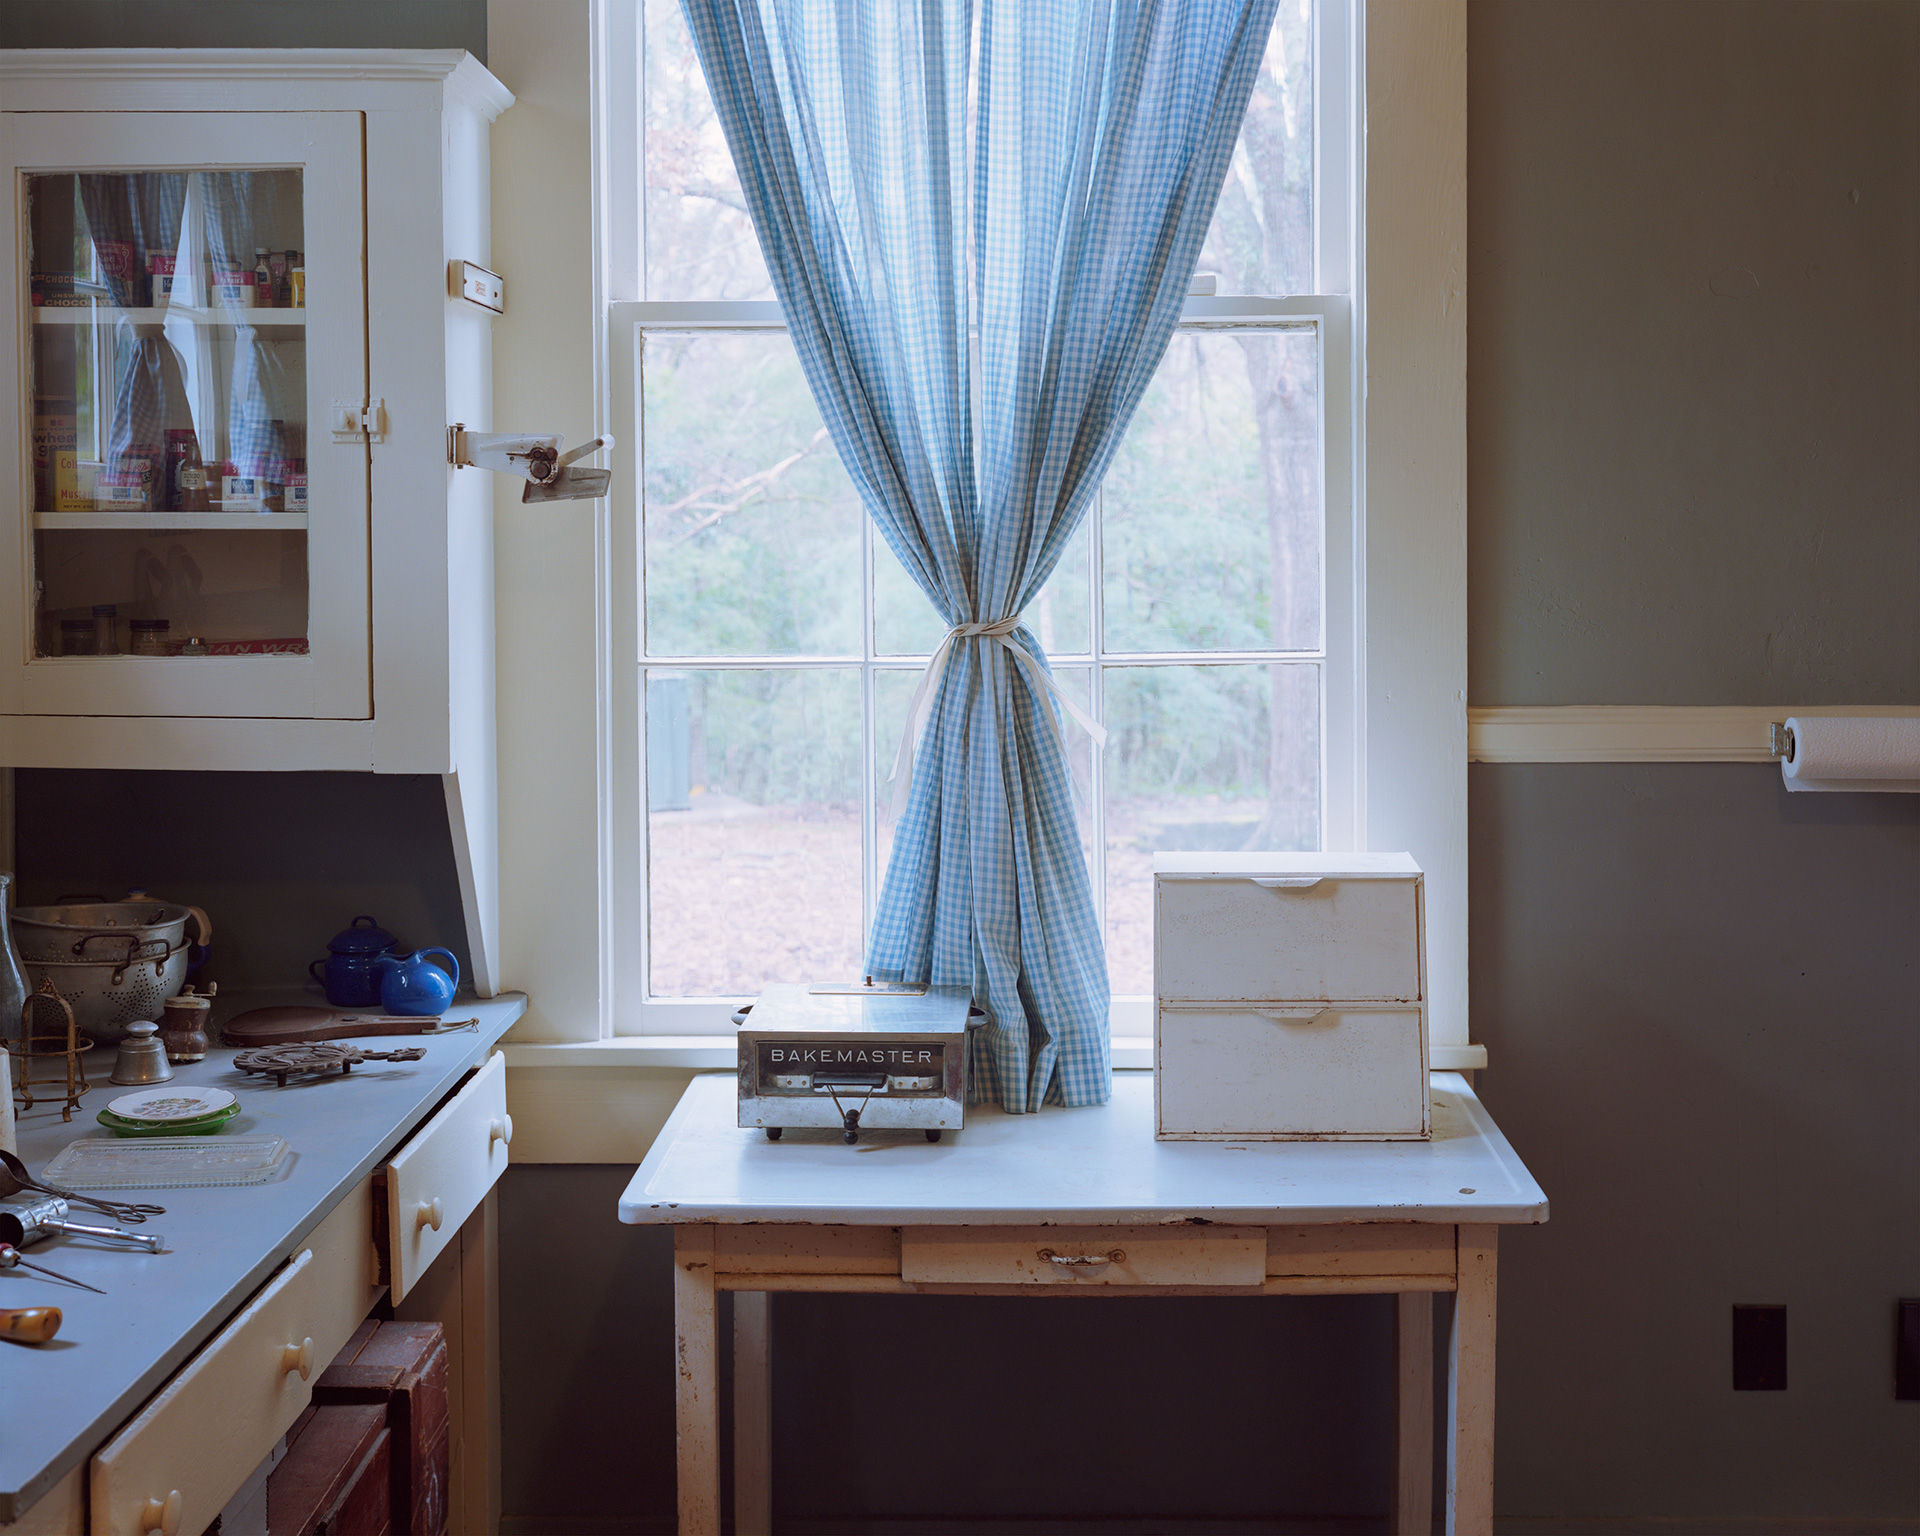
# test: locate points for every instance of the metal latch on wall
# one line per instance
(1780, 739)
(355, 423)
(550, 475)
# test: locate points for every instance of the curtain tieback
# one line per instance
(1000, 631)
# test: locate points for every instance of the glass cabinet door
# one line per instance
(189, 302)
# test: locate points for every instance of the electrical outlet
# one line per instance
(1759, 1349)
(1906, 1351)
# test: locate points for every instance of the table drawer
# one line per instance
(1233, 938)
(174, 1467)
(438, 1179)
(1083, 1256)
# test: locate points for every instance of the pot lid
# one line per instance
(356, 940)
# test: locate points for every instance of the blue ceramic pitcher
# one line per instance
(410, 985)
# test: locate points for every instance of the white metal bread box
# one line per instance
(1290, 997)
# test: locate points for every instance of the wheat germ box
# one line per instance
(1290, 997)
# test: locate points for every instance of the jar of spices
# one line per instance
(150, 637)
(76, 637)
(106, 629)
(194, 646)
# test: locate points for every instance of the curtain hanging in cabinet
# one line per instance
(129, 215)
(981, 220)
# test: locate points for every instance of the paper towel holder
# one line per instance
(534, 456)
(1780, 740)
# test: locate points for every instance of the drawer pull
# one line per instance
(429, 1213)
(500, 1130)
(1307, 1015)
(1085, 1263)
(297, 1357)
(1287, 882)
(163, 1517)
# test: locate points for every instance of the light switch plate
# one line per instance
(479, 287)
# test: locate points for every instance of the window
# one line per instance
(1205, 612)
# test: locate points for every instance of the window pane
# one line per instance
(753, 829)
(1213, 504)
(753, 530)
(1201, 759)
(1261, 238)
(905, 622)
(700, 241)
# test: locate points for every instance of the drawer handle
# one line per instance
(429, 1213)
(1295, 1015)
(163, 1517)
(1084, 1263)
(297, 1357)
(1287, 882)
(500, 1130)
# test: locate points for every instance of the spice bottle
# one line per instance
(106, 629)
(263, 295)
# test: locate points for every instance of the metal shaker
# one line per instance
(142, 1059)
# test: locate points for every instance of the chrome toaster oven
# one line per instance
(853, 1059)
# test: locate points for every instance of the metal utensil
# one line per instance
(14, 1179)
(10, 1257)
(27, 1221)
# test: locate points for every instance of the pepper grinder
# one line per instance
(142, 1059)
(183, 1027)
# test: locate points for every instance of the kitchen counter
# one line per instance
(114, 1351)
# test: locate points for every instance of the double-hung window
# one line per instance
(1205, 612)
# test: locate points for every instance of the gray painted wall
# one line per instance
(1694, 351)
(245, 24)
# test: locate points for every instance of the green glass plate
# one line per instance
(208, 1125)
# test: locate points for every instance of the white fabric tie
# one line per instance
(1000, 631)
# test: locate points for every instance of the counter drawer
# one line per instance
(1245, 938)
(1083, 1256)
(1301, 1072)
(438, 1179)
(173, 1468)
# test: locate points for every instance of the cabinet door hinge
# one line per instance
(353, 423)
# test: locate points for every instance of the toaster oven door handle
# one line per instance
(1286, 882)
(1084, 1263)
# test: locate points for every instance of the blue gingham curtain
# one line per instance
(237, 207)
(128, 216)
(981, 217)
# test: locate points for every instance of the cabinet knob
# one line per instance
(163, 1515)
(429, 1213)
(297, 1357)
(500, 1130)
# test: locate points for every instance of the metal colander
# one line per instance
(115, 962)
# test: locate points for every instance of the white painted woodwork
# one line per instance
(696, 1366)
(346, 1272)
(438, 1179)
(242, 1382)
(1411, 325)
(1373, 1248)
(1470, 1387)
(1412, 1504)
(401, 675)
(1642, 733)
(752, 1413)
(806, 1250)
(1271, 927)
(62, 1512)
(1290, 997)
(1087, 1257)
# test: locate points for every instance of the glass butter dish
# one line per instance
(167, 1162)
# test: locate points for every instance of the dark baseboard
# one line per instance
(533, 1525)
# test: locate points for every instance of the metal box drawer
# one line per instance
(1291, 1073)
(1083, 1256)
(1287, 934)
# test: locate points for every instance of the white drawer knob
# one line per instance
(163, 1517)
(429, 1213)
(500, 1130)
(297, 1357)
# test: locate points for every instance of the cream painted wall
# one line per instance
(548, 593)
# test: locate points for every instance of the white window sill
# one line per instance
(715, 1053)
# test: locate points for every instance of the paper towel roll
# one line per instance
(1851, 752)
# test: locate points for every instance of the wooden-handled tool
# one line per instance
(286, 1024)
(29, 1325)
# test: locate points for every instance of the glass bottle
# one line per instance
(13, 975)
(106, 629)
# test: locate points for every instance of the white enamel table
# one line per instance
(1083, 1202)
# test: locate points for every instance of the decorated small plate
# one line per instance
(170, 1105)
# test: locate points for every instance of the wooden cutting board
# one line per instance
(287, 1023)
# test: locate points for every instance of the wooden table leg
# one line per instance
(1413, 1414)
(1470, 1388)
(697, 1381)
(752, 1413)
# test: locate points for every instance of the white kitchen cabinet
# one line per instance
(238, 542)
